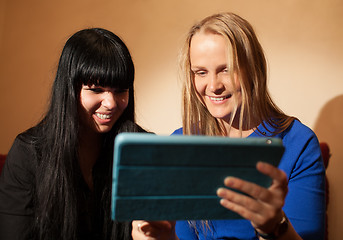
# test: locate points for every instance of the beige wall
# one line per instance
(302, 39)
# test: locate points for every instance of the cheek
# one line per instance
(200, 90)
(199, 86)
(123, 102)
(88, 104)
(83, 101)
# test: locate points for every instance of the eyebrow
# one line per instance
(222, 66)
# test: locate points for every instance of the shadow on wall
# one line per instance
(329, 129)
(329, 125)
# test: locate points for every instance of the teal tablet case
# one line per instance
(176, 177)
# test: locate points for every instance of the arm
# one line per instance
(303, 204)
(16, 214)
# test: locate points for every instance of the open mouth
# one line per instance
(103, 116)
(220, 98)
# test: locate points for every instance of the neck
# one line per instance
(233, 130)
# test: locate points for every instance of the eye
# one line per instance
(120, 90)
(200, 73)
(96, 90)
(223, 71)
(93, 88)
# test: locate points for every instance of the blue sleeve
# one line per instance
(184, 231)
(305, 201)
(16, 187)
(178, 132)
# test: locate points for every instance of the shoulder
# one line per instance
(26, 143)
(17, 178)
(178, 131)
(302, 150)
(297, 128)
(299, 133)
(138, 128)
(17, 181)
(21, 160)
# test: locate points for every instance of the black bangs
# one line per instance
(104, 60)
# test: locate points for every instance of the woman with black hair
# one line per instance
(56, 182)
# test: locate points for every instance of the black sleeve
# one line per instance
(16, 191)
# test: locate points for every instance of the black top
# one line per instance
(17, 182)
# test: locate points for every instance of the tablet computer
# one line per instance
(176, 177)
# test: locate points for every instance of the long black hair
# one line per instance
(90, 56)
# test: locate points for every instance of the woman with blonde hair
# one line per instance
(225, 94)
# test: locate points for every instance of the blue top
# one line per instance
(305, 201)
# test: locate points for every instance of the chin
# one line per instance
(104, 129)
(220, 115)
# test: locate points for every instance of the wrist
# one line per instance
(280, 229)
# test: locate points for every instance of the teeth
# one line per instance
(103, 116)
(219, 98)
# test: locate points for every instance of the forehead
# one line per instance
(208, 47)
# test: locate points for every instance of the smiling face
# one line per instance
(218, 89)
(101, 107)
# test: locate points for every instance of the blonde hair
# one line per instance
(246, 59)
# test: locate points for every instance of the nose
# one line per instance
(215, 84)
(109, 100)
